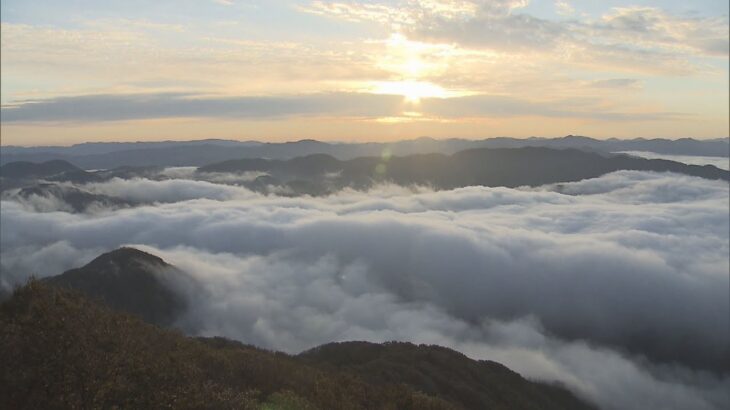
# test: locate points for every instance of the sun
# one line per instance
(411, 90)
(411, 64)
(414, 67)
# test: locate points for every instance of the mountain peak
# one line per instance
(126, 257)
(130, 280)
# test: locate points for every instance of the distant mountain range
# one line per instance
(510, 167)
(61, 349)
(202, 152)
(321, 174)
(24, 169)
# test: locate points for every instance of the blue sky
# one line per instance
(456, 68)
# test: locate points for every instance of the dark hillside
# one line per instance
(130, 280)
(510, 167)
(442, 372)
(24, 169)
(59, 349)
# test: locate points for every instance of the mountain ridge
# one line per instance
(201, 152)
(76, 352)
(24, 169)
(458, 378)
(510, 167)
(322, 174)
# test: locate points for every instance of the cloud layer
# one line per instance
(123, 107)
(616, 286)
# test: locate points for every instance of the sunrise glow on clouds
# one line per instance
(362, 70)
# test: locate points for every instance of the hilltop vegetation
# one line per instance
(59, 349)
(442, 372)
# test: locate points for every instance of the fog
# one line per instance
(720, 162)
(615, 286)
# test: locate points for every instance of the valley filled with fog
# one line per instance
(719, 162)
(615, 286)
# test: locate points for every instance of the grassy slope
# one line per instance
(59, 349)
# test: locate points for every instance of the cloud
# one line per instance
(510, 32)
(128, 55)
(616, 286)
(504, 106)
(166, 105)
(359, 105)
(408, 12)
(39, 203)
(618, 38)
(564, 8)
(172, 190)
(616, 83)
(654, 27)
(720, 162)
(353, 12)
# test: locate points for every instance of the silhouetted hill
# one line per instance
(442, 372)
(198, 153)
(129, 280)
(59, 349)
(23, 174)
(242, 165)
(509, 167)
(310, 165)
(88, 148)
(35, 170)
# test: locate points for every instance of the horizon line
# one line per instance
(252, 141)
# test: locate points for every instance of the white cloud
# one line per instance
(720, 162)
(171, 190)
(618, 38)
(564, 8)
(97, 108)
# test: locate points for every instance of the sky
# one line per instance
(83, 70)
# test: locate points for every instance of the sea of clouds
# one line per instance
(615, 286)
(720, 162)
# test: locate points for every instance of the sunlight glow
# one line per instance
(412, 91)
(412, 59)
(413, 64)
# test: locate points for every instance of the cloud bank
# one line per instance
(722, 163)
(122, 107)
(615, 286)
